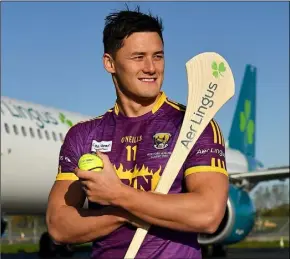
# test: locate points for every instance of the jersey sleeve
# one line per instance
(69, 156)
(208, 154)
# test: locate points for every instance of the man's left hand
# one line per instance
(101, 187)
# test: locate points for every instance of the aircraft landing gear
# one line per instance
(213, 251)
(204, 251)
(48, 249)
(46, 246)
(219, 251)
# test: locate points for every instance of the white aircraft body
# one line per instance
(31, 137)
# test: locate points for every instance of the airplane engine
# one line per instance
(238, 220)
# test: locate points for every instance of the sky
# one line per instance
(51, 54)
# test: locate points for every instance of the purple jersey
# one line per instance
(139, 149)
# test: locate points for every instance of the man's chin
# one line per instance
(148, 97)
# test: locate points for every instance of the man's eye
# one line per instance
(138, 57)
(158, 57)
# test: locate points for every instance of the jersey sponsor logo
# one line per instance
(141, 178)
(161, 140)
(203, 151)
(131, 139)
(102, 146)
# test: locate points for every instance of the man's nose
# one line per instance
(149, 66)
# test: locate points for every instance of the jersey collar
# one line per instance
(155, 108)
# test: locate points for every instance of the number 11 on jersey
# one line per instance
(131, 153)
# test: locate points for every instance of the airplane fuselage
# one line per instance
(31, 137)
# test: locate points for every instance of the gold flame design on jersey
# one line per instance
(133, 174)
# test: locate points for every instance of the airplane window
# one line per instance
(61, 137)
(15, 129)
(7, 128)
(39, 133)
(31, 132)
(23, 131)
(46, 134)
(54, 136)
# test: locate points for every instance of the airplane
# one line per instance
(32, 135)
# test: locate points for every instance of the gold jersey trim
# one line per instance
(217, 134)
(156, 107)
(159, 102)
(175, 105)
(201, 169)
(66, 176)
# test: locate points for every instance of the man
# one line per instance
(135, 139)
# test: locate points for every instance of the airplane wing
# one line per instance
(277, 173)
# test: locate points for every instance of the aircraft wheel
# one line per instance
(66, 250)
(204, 251)
(47, 248)
(219, 251)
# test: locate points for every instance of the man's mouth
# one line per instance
(147, 80)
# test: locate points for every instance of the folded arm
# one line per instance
(68, 222)
(199, 210)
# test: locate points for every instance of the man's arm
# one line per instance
(200, 210)
(68, 222)
(203, 207)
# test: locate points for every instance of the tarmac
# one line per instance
(233, 253)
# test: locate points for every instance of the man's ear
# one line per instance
(109, 63)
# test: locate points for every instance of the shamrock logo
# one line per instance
(217, 69)
(246, 124)
(64, 120)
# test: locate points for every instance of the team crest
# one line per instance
(161, 140)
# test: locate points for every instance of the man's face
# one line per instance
(139, 65)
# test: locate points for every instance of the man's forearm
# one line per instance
(71, 225)
(183, 211)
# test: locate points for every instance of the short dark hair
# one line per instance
(122, 24)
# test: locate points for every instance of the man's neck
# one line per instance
(135, 108)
